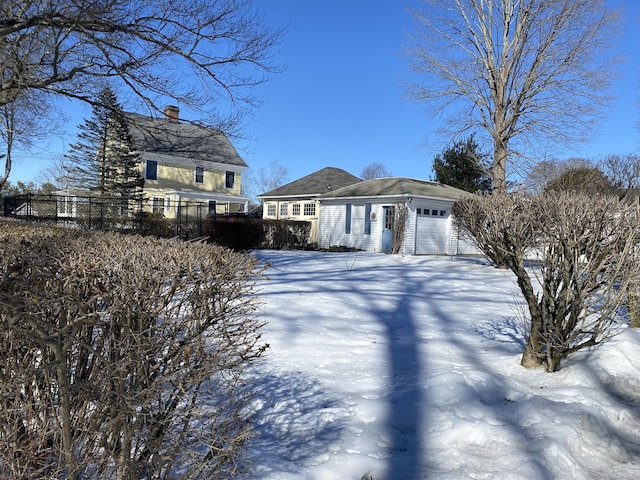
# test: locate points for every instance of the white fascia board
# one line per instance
(384, 198)
(371, 199)
(278, 198)
(219, 197)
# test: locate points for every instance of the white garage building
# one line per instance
(362, 216)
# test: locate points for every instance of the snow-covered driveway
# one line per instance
(408, 368)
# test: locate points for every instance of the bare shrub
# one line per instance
(123, 357)
(574, 257)
(400, 216)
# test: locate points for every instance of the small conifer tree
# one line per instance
(461, 166)
(102, 159)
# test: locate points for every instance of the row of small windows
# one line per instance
(433, 213)
(151, 173)
(308, 209)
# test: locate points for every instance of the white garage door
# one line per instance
(431, 232)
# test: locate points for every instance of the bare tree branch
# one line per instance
(375, 170)
(205, 54)
(519, 70)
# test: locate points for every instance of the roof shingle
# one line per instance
(316, 183)
(398, 186)
(186, 140)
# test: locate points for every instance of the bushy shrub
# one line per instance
(574, 256)
(123, 356)
(238, 234)
(243, 234)
(286, 234)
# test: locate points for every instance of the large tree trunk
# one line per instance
(499, 168)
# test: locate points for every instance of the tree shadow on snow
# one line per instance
(296, 421)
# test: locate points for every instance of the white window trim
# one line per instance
(146, 170)
(195, 175)
(165, 202)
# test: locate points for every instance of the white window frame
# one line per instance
(229, 175)
(146, 170)
(158, 204)
(309, 209)
(195, 175)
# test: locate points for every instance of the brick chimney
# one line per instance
(171, 113)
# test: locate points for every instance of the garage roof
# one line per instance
(398, 186)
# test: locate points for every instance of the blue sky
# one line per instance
(340, 101)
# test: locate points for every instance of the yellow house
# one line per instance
(298, 200)
(185, 164)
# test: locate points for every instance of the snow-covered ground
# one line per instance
(390, 367)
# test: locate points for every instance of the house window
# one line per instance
(434, 213)
(151, 172)
(419, 211)
(443, 213)
(271, 210)
(157, 205)
(199, 174)
(65, 206)
(390, 214)
(284, 209)
(230, 180)
(357, 219)
(295, 209)
(212, 206)
(309, 209)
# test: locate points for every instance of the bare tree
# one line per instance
(546, 171)
(22, 122)
(375, 170)
(197, 52)
(56, 173)
(584, 248)
(264, 179)
(205, 55)
(623, 170)
(519, 70)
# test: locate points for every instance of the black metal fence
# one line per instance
(168, 218)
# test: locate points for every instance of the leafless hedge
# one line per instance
(123, 357)
(575, 257)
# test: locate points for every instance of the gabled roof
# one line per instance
(398, 186)
(314, 184)
(185, 140)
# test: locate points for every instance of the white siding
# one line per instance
(410, 231)
(465, 245)
(333, 217)
(332, 227)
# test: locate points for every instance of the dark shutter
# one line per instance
(347, 223)
(367, 219)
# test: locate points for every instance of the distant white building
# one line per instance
(361, 216)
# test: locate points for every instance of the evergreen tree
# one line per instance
(102, 159)
(461, 166)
